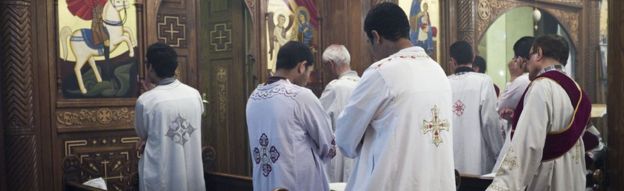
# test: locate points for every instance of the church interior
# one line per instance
(63, 124)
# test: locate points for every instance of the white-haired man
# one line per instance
(334, 99)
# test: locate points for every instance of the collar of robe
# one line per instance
(463, 69)
(274, 79)
(348, 73)
(556, 67)
(166, 81)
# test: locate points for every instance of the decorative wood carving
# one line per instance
(22, 162)
(17, 64)
(578, 3)
(222, 95)
(465, 24)
(172, 30)
(17, 77)
(569, 20)
(489, 10)
(114, 159)
(221, 37)
(95, 117)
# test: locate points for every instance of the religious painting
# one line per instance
(97, 42)
(424, 19)
(290, 20)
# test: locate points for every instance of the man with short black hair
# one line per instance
(547, 150)
(477, 137)
(290, 135)
(519, 78)
(397, 121)
(480, 66)
(168, 121)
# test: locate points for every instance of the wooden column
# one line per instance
(21, 142)
(615, 107)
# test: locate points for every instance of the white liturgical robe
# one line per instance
(547, 108)
(290, 138)
(334, 99)
(510, 97)
(477, 136)
(397, 122)
(168, 117)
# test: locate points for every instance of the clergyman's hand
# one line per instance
(140, 145)
(506, 113)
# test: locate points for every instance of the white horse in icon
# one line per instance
(84, 53)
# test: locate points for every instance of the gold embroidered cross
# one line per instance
(435, 126)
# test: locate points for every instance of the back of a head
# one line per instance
(292, 53)
(461, 51)
(389, 20)
(337, 54)
(481, 64)
(163, 59)
(553, 46)
(522, 47)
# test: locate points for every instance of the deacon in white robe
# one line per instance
(397, 123)
(547, 110)
(398, 119)
(334, 99)
(512, 94)
(168, 121)
(477, 138)
(290, 134)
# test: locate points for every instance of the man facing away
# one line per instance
(334, 99)
(397, 121)
(290, 134)
(546, 150)
(480, 66)
(477, 137)
(168, 121)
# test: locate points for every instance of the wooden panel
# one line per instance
(224, 76)
(343, 23)
(615, 107)
(226, 182)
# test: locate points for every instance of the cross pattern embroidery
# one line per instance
(265, 158)
(436, 125)
(458, 108)
(180, 130)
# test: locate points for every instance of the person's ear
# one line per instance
(376, 37)
(540, 53)
(301, 67)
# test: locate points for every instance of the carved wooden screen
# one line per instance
(94, 86)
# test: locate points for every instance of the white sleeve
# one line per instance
(490, 128)
(328, 97)
(510, 97)
(317, 125)
(140, 123)
(369, 97)
(523, 158)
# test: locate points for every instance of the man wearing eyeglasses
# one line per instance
(547, 148)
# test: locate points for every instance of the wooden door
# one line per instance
(226, 71)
